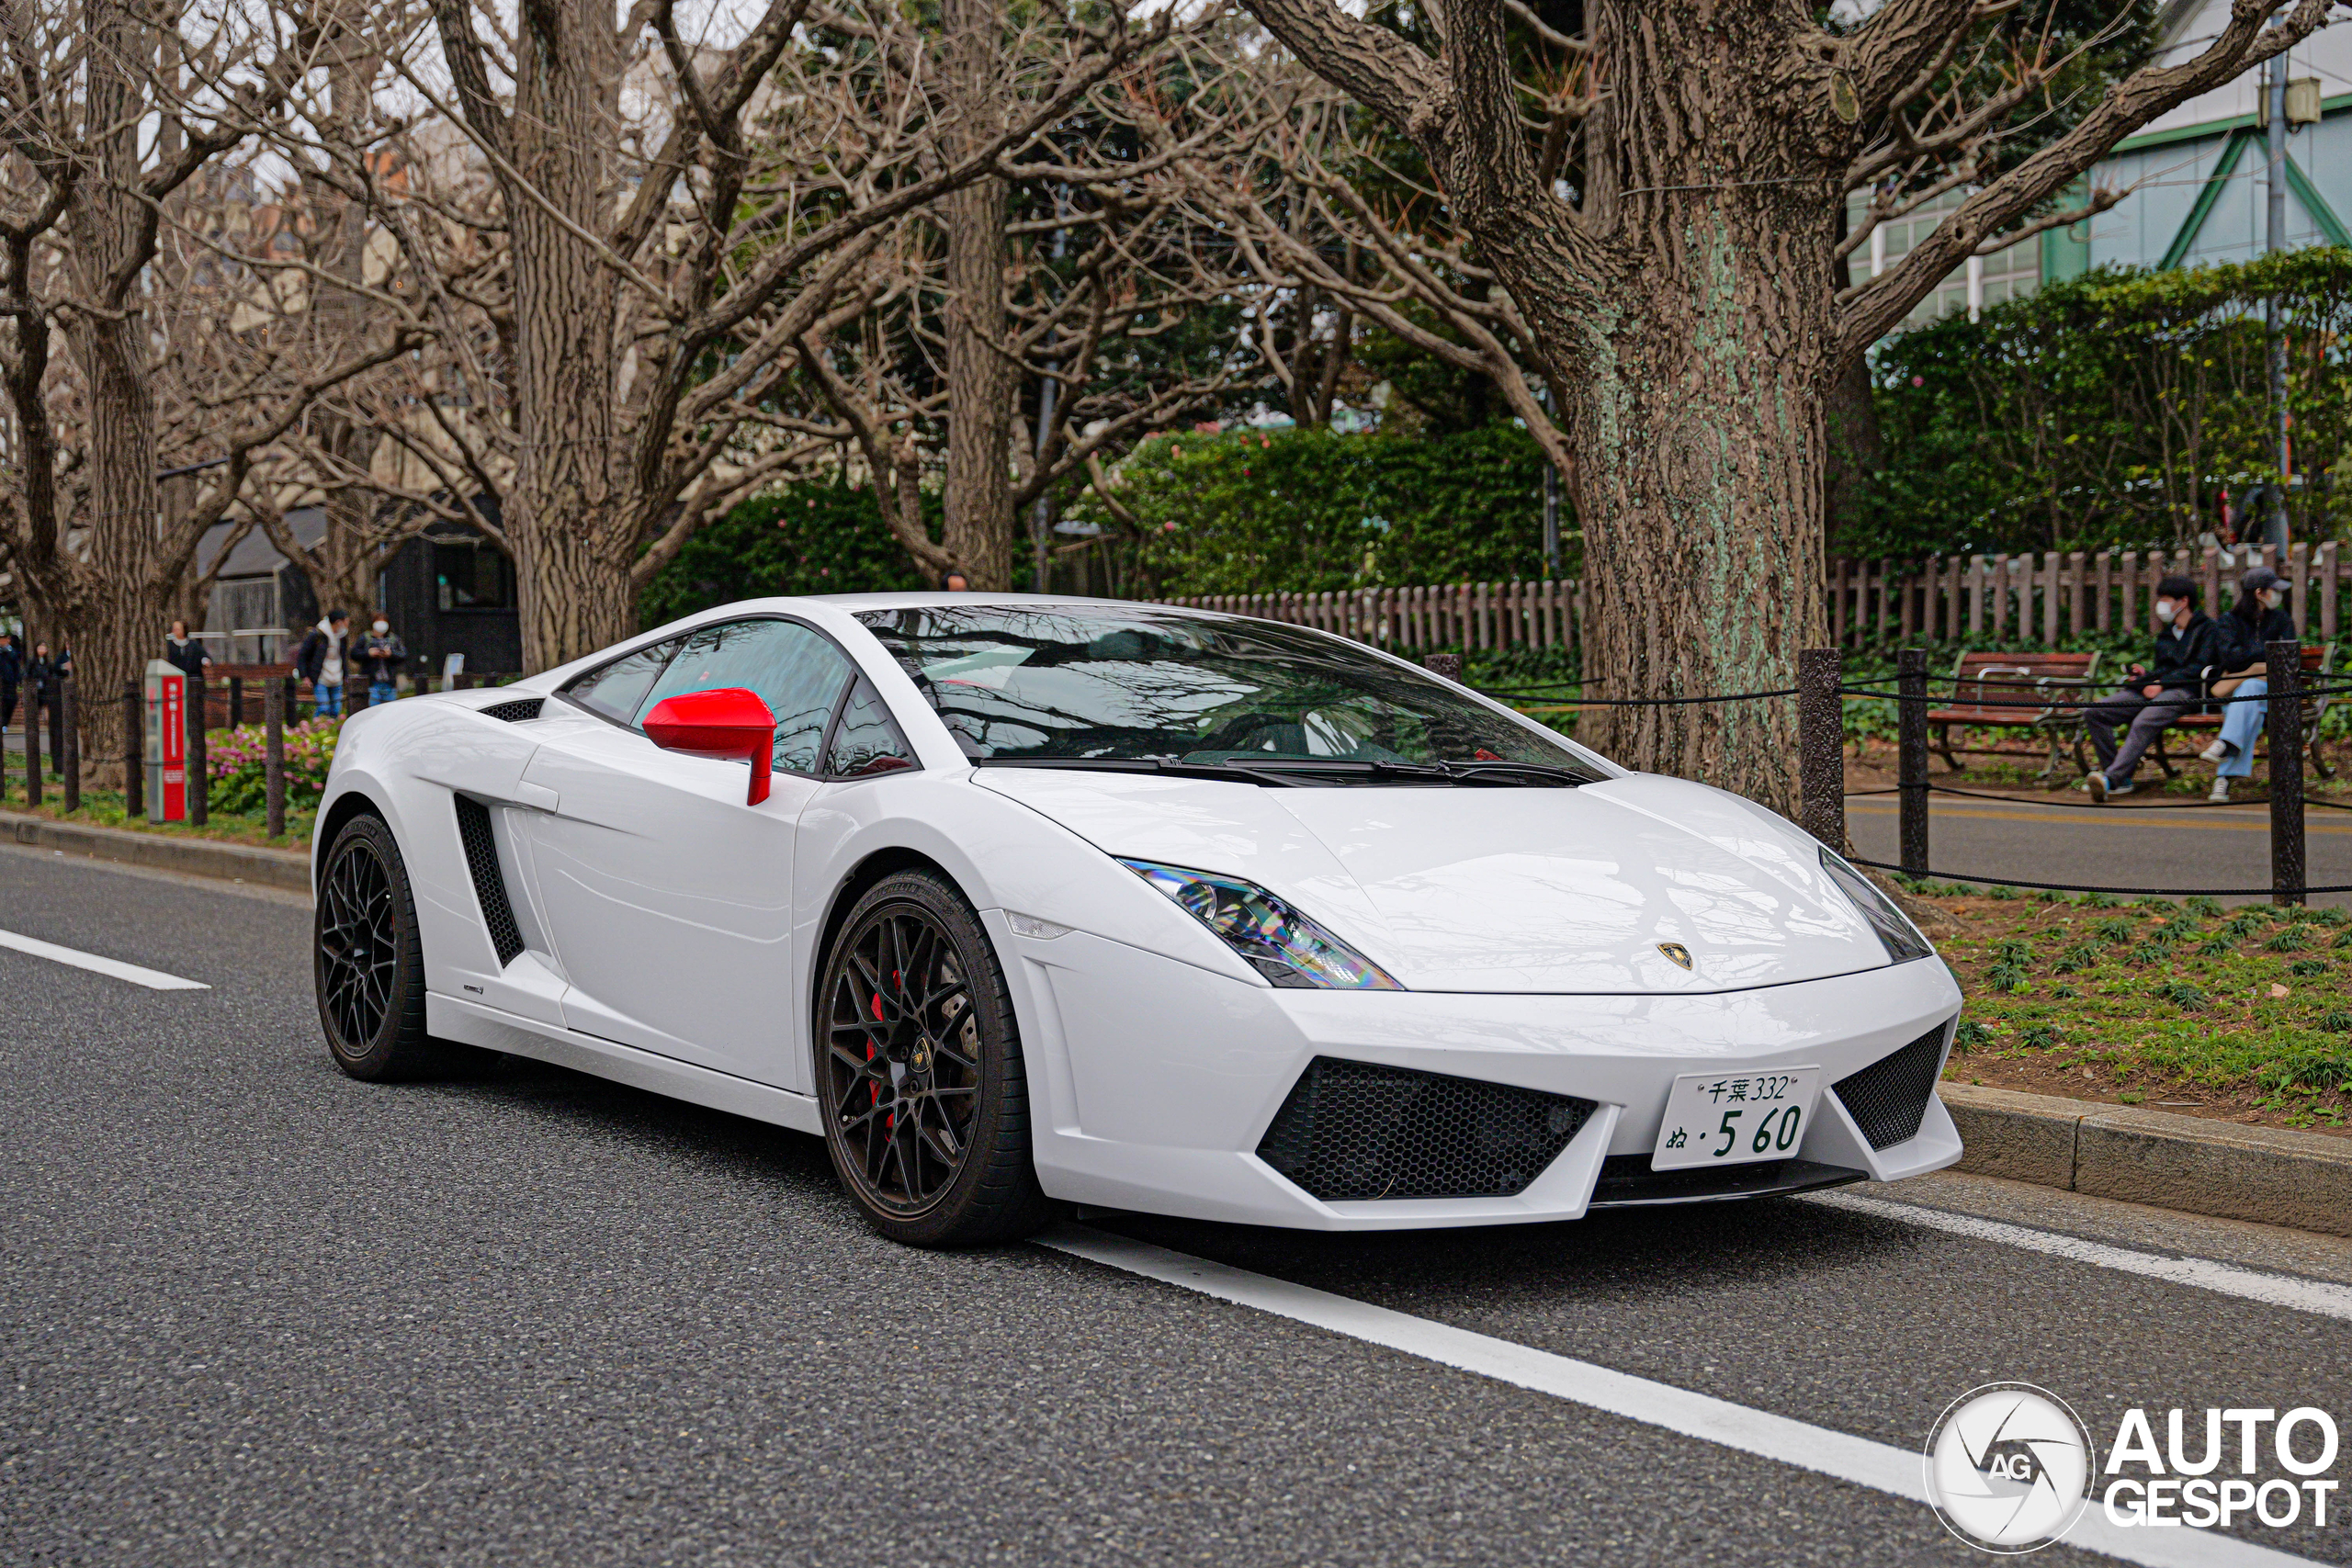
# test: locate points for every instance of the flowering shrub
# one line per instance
(236, 762)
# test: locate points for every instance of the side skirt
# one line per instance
(472, 1023)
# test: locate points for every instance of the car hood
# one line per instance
(1509, 890)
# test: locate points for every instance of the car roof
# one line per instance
(853, 602)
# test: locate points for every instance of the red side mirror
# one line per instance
(728, 722)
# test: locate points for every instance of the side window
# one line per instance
(619, 690)
(866, 740)
(795, 670)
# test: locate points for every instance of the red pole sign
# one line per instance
(175, 740)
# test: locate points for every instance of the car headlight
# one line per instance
(1895, 932)
(1278, 942)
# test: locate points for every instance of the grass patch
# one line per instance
(104, 808)
(2158, 1004)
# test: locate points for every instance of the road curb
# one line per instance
(191, 857)
(2189, 1163)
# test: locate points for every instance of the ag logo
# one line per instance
(1676, 952)
(2008, 1468)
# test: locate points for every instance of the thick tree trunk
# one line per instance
(1697, 411)
(567, 513)
(982, 384)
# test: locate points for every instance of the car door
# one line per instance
(669, 899)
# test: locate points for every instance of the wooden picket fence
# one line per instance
(2046, 598)
(2035, 599)
(1546, 614)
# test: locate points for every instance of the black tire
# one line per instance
(919, 1071)
(368, 967)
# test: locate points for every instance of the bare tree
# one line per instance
(119, 123)
(1048, 316)
(1658, 196)
(650, 226)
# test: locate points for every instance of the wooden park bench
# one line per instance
(2316, 659)
(2043, 691)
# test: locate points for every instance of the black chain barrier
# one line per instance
(2085, 887)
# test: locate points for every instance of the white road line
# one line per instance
(2248, 1284)
(153, 979)
(1879, 1466)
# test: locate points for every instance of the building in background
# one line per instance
(2196, 181)
(449, 590)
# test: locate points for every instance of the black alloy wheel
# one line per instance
(368, 967)
(919, 1071)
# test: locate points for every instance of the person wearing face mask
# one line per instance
(382, 656)
(2188, 646)
(2259, 617)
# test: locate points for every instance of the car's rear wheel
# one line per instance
(919, 1071)
(368, 965)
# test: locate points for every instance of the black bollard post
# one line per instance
(2285, 723)
(236, 702)
(32, 745)
(200, 781)
(1821, 745)
(1911, 746)
(134, 748)
(69, 755)
(273, 710)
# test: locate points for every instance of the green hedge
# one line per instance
(2109, 410)
(1311, 511)
(803, 539)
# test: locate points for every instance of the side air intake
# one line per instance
(489, 883)
(1888, 1099)
(517, 711)
(1355, 1130)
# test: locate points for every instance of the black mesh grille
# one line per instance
(1351, 1130)
(1887, 1098)
(514, 712)
(489, 883)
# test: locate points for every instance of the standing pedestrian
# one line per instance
(11, 671)
(382, 656)
(184, 653)
(40, 676)
(321, 662)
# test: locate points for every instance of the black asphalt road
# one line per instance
(2127, 844)
(255, 1312)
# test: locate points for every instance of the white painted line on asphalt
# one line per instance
(1879, 1466)
(2247, 1284)
(153, 979)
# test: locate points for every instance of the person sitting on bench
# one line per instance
(2187, 644)
(2258, 618)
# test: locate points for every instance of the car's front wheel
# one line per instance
(368, 965)
(919, 1071)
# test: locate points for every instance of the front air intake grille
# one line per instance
(489, 883)
(517, 711)
(1888, 1098)
(1353, 1130)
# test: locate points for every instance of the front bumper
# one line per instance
(1157, 1080)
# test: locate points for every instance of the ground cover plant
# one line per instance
(106, 808)
(2191, 1007)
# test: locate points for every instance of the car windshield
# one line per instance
(1070, 682)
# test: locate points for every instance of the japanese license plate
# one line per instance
(1734, 1117)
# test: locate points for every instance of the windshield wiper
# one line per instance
(1228, 772)
(1497, 773)
(1549, 771)
(1293, 773)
